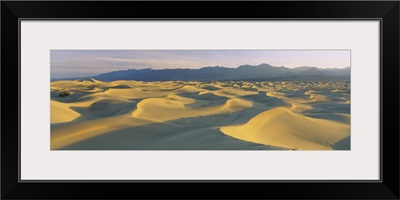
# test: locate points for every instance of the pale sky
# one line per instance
(79, 63)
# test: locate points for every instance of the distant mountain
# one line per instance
(244, 72)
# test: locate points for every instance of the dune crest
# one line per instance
(283, 128)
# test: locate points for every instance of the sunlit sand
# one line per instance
(177, 115)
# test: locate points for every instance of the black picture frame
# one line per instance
(386, 11)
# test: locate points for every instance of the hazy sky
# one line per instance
(78, 63)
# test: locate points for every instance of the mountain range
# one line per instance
(262, 72)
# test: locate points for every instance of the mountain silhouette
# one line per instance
(262, 72)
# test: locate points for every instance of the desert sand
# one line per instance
(177, 115)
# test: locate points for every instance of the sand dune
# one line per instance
(172, 115)
(61, 112)
(175, 107)
(132, 93)
(283, 128)
(64, 134)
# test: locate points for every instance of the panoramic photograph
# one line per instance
(288, 100)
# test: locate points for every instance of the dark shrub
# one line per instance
(64, 93)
